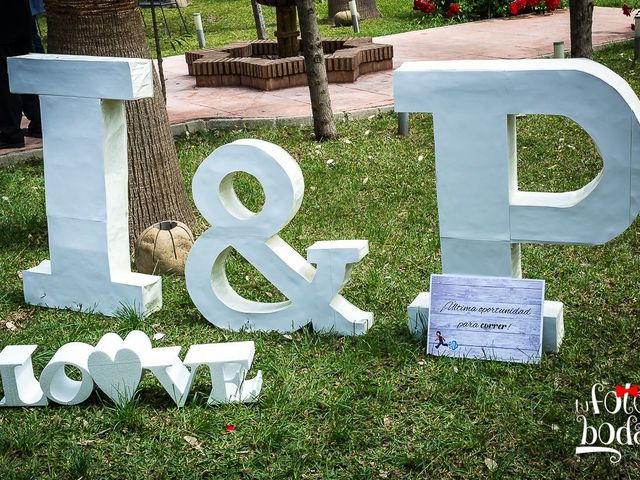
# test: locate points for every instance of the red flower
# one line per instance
(533, 3)
(454, 9)
(513, 8)
(552, 4)
(522, 4)
(425, 6)
(230, 428)
(626, 10)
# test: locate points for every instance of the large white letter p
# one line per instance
(483, 216)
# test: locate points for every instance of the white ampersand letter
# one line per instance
(312, 293)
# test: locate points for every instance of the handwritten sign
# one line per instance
(489, 318)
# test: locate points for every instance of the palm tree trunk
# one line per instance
(114, 28)
(323, 122)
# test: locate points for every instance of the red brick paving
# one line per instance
(517, 37)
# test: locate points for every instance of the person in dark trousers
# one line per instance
(37, 8)
(15, 39)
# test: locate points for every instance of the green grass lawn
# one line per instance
(227, 21)
(368, 407)
(611, 3)
(230, 20)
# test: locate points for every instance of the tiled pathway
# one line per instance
(517, 37)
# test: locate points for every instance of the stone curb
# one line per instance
(193, 126)
(22, 157)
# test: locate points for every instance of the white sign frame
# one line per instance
(489, 318)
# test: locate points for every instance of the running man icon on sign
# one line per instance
(440, 340)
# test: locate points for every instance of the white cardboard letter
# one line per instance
(228, 364)
(85, 169)
(21, 389)
(57, 385)
(116, 366)
(483, 216)
(313, 294)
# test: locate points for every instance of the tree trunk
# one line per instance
(259, 20)
(323, 123)
(366, 8)
(114, 28)
(287, 33)
(581, 18)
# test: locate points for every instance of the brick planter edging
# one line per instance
(246, 63)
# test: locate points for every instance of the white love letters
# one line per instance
(116, 366)
(85, 170)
